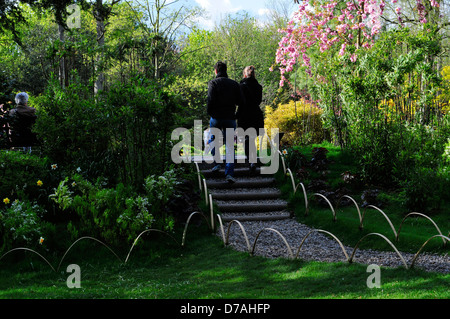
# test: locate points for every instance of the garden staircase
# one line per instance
(253, 197)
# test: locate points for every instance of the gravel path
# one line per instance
(319, 246)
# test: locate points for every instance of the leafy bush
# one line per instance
(122, 135)
(6, 89)
(74, 129)
(444, 97)
(142, 116)
(21, 224)
(26, 181)
(382, 106)
(294, 158)
(19, 174)
(116, 214)
(62, 195)
(426, 189)
(93, 207)
(424, 165)
(300, 121)
(446, 154)
(192, 93)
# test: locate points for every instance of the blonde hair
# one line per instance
(249, 72)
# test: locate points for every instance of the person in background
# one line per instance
(224, 95)
(23, 118)
(250, 115)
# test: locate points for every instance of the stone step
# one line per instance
(208, 166)
(251, 206)
(255, 217)
(238, 171)
(207, 163)
(253, 197)
(249, 194)
(241, 183)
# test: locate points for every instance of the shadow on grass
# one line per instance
(205, 269)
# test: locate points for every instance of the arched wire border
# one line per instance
(82, 238)
(295, 187)
(205, 188)
(329, 204)
(277, 232)
(198, 176)
(425, 216)
(354, 202)
(211, 211)
(424, 244)
(206, 219)
(387, 240)
(146, 231)
(283, 162)
(251, 251)
(243, 233)
(385, 216)
(221, 228)
(326, 232)
(187, 224)
(28, 249)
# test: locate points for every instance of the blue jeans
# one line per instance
(222, 125)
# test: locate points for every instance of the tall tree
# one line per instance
(280, 11)
(59, 8)
(101, 12)
(165, 21)
(11, 16)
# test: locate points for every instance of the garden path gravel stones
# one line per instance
(256, 213)
(319, 246)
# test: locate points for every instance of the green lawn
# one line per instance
(204, 269)
(159, 268)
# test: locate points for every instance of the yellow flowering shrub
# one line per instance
(444, 97)
(407, 108)
(300, 122)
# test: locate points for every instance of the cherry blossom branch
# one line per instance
(335, 23)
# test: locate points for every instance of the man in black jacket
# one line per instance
(224, 95)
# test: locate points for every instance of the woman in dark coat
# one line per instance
(250, 115)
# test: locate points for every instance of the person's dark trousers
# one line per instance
(223, 124)
(250, 151)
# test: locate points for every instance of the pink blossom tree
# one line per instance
(350, 25)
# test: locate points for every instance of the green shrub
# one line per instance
(142, 116)
(136, 218)
(122, 134)
(94, 208)
(294, 159)
(19, 174)
(73, 129)
(426, 189)
(21, 224)
(118, 214)
(62, 195)
(446, 154)
(192, 93)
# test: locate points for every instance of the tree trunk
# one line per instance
(99, 83)
(63, 80)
